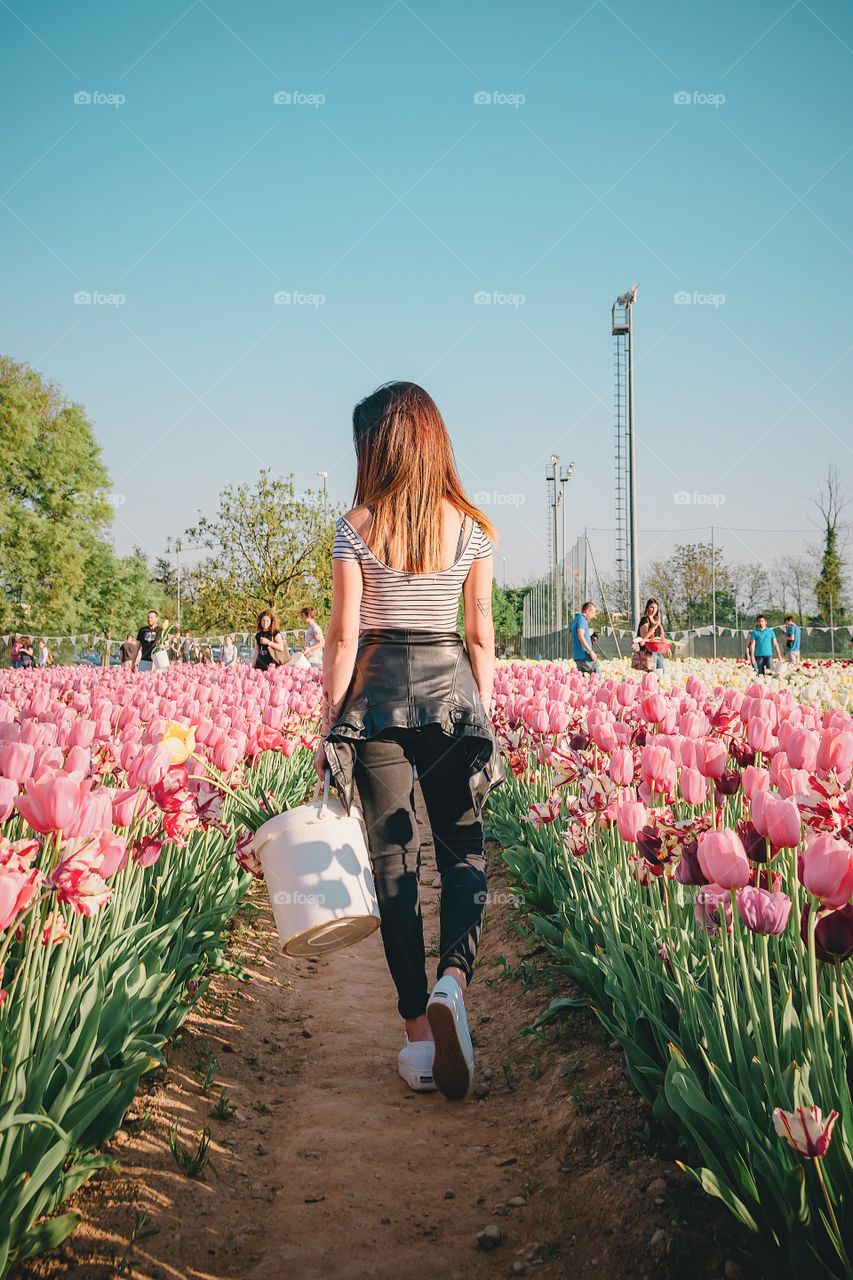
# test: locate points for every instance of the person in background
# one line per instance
(147, 638)
(229, 652)
(186, 646)
(45, 656)
(15, 651)
(269, 642)
(313, 643)
(128, 649)
(651, 628)
(206, 655)
(25, 655)
(762, 644)
(582, 650)
(793, 635)
(174, 645)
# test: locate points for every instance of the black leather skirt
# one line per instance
(406, 680)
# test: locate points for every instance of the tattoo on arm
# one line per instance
(484, 604)
(330, 709)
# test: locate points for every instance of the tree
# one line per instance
(685, 583)
(271, 548)
(829, 588)
(118, 592)
(794, 574)
(53, 503)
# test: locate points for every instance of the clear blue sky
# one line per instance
(399, 198)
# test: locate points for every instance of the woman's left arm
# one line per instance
(277, 643)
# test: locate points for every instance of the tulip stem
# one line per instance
(818, 1163)
(843, 989)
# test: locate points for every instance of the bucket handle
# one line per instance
(327, 777)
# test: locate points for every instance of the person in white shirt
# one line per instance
(314, 641)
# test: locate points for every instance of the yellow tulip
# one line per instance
(179, 741)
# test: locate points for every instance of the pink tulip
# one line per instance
(723, 859)
(759, 734)
(762, 911)
(95, 814)
(147, 851)
(754, 779)
(836, 750)
(801, 748)
(53, 803)
(657, 765)
(16, 761)
(17, 890)
(631, 817)
(653, 706)
(8, 793)
(149, 767)
(711, 756)
(126, 805)
(777, 819)
(621, 768)
(604, 736)
(827, 870)
(693, 787)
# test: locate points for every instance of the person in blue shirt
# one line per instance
(793, 634)
(762, 643)
(582, 650)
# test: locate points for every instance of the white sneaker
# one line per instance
(453, 1065)
(415, 1065)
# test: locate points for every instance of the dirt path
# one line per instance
(331, 1167)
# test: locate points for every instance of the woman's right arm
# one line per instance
(480, 627)
(341, 638)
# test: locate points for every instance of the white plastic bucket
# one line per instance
(159, 660)
(318, 876)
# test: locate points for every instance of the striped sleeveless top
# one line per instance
(409, 601)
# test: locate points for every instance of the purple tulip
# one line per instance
(833, 933)
(763, 912)
(711, 901)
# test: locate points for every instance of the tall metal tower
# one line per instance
(551, 480)
(627, 573)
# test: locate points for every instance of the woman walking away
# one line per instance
(401, 692)
(270, 648)
(312, 645)
(651, 628)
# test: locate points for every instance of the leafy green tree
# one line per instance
(270, 548)
(118, 593)
(53, 502)
(829, 588)
(684, 583)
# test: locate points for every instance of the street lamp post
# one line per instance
(565, 477)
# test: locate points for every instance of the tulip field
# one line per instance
(683, 843)
(126, 810)
(685, 852)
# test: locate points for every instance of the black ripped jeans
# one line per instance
(383, 774)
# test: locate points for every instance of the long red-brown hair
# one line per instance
(405, 469)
